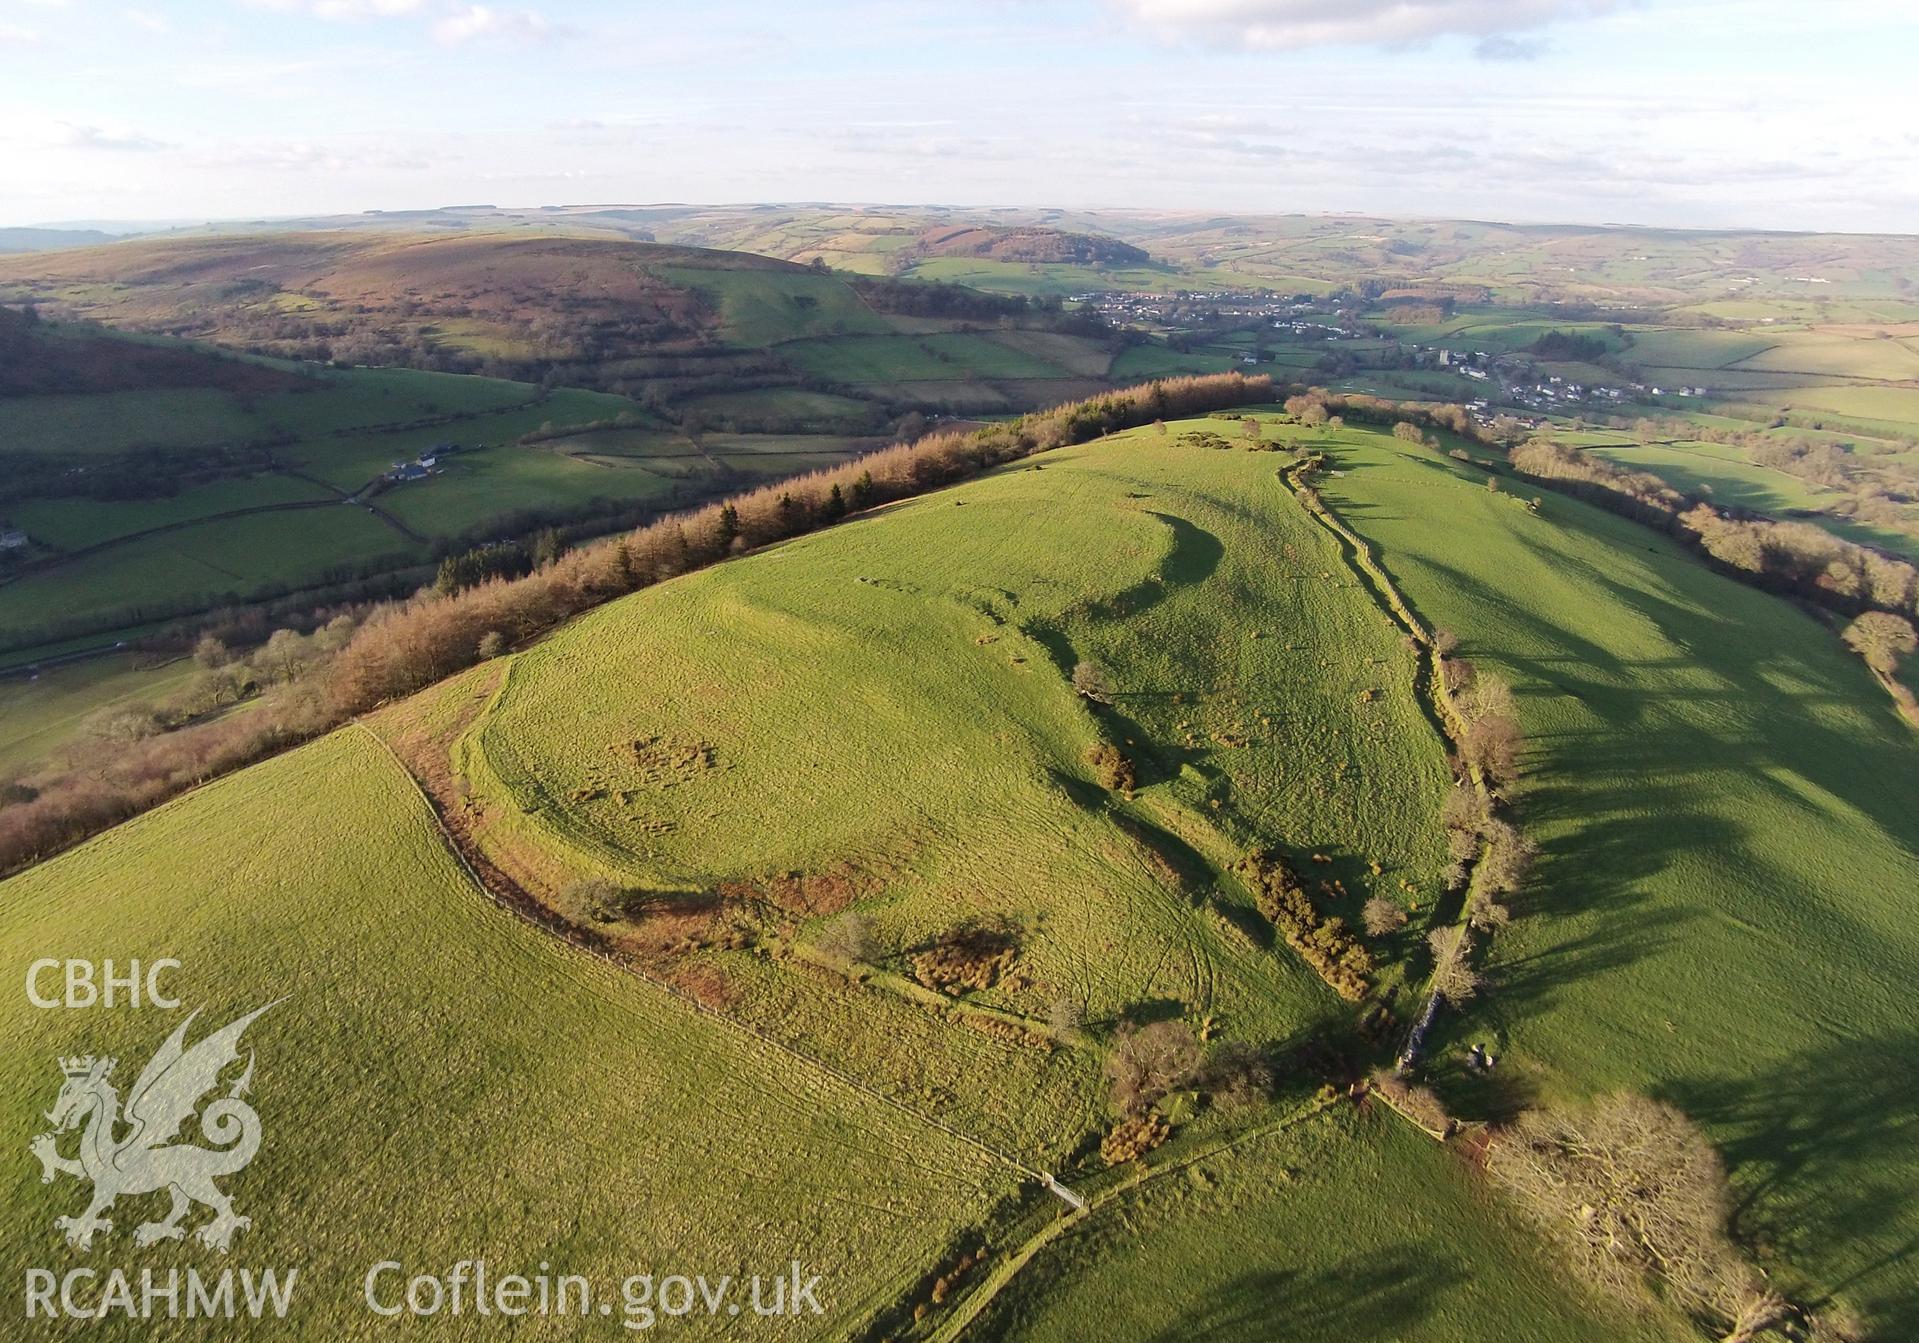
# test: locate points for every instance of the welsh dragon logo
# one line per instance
(131, 1152)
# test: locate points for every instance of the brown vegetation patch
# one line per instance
(1326, 945)
(1132, 1139)
(1007, 1033)
(706, 984)
(972, 957)
(663, 762)
(808, 894)
(1417, 1103)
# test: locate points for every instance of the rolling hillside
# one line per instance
(409, 1008)
(847, 808)
(1720, 911)
(659, 323)
(156, 480)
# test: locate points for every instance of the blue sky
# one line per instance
(1757, 113)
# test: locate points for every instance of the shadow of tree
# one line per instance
(1375, 1296)
(1823, 1149)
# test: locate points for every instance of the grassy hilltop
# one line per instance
(846, 809)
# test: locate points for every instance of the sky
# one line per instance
(1787, 114)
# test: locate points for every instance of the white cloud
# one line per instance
(92, 137)
(13, 34)
(147, 20)
(301, 156)
(1499, 47)
(476, 22)
(1281, 24)
(342, 9)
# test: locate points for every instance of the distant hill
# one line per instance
(386, 298)
(1611, 264)
(662, 323)
(46, 239)
(1042, 246)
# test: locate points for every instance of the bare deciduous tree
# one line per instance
(1149, 1061)
(848, 938)
(1638, 1192)
(1486, 914)
(1090, 681)
(1508, 857)
(1382, 916)
(1453, 975)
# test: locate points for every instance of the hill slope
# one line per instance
(704, 780)
(588, 1106)
(658, 322)
(1040, 246)
(357, 297)
(1721, 914)
(39, 357)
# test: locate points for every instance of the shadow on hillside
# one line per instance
(1823, 1148)
(1194, 557)
(1598, 868)
(1872, 771)
(1376, 1296)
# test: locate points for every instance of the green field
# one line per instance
(204, 565)
(928, 358)
(1346, 1227)
(111, 422)
(39, 715)
(819, 412)
(1040, 280)
(281, 522)
(1691, 348)
(1138, 553)
(768, 307)
(103, 422)
(1827, 351)
(350, 461)
(75, 524)
(1717, 787)
(602, 1126)
(1157, 361)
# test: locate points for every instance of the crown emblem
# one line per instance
(84, 1065)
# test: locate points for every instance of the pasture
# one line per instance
(40, 715)
(1718, 916)
(767, 307)
(612, 1129)
(881, 718)
(226, 497)
(1343, 1226)
(926, 358)
(1724, 474)
(198, 566)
